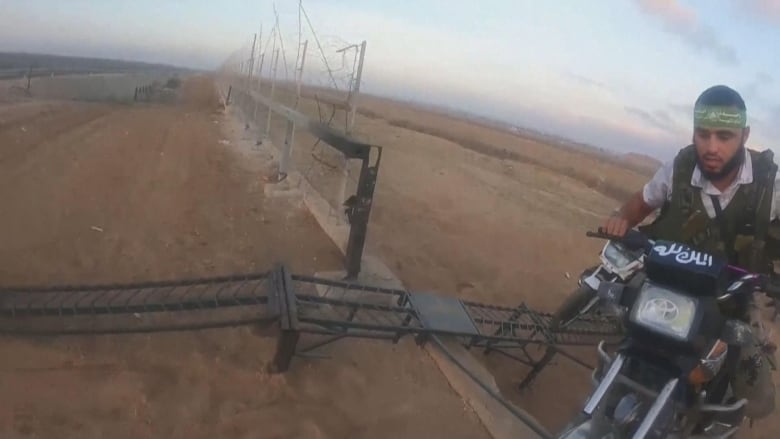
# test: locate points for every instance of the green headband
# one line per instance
(719, 117)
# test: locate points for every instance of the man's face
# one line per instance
(716, 146)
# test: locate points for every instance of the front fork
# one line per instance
(650, 420)
(593, 281)
(606, 382)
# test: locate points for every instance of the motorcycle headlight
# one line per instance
(664, 311)
(617, 256)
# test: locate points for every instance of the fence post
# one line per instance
(273, 84)
(284, 161)
(259, 85)
(251, 66)
(353, 92)
(354, 89)
(358, 213)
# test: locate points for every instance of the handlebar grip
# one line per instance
(633, 239)
(600, 233)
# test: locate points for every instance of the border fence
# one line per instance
(300, 94)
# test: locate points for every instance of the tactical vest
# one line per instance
(740, 233)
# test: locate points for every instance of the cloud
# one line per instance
(765, 132)
(673, 13)
(659, 119)
(584, 80)
(683, 22)
(753, 90)
(682, 109)
(765, 77)
(771, 129)
(767, 10)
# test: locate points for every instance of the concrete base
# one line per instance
(496, 418)
(283, 189)
(372, 275)
(330, 221)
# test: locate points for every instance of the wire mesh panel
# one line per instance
(150, 306)
(349, 308)
(297, 304)
(345, 307)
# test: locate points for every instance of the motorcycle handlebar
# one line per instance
(636, 240)
(633, 239)
(756, 282)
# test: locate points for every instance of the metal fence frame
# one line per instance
(357, 207)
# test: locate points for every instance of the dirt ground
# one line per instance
(173, 201)
(97, 193)
(495, 230)
(504, 224)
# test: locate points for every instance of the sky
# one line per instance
(619, 74)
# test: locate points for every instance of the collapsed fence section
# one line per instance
(298, 305)
(142, 307)
(308, 312)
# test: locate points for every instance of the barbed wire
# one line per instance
(328, 77)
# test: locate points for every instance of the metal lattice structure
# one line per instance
(141, 307)
(300, 305)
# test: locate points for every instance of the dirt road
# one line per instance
(95, 193)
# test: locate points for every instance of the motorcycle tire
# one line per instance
(572, 305)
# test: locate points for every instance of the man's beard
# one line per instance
(732, 164)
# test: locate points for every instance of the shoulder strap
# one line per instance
(728, 238)
(683, 193)
(761, 195)
(764, 174)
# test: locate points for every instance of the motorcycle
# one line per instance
(618, 264)
(669, 375)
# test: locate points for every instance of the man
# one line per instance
(716, 196)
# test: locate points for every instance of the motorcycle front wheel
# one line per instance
(569, 310)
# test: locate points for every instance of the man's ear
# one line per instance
(745, 134)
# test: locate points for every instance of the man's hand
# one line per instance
(632, 213)
(616, 225)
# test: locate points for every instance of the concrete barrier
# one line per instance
(120, 87)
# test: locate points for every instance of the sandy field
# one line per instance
(172, 202)
(497, 225)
